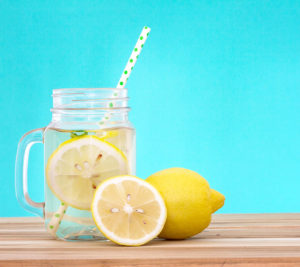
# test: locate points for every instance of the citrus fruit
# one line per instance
(78, 165)
(189, 201)
(128, 210)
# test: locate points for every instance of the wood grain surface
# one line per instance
(231, 240)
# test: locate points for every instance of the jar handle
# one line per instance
(21, 186)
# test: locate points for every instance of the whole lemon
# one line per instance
(189, 201)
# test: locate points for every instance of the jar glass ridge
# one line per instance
(90, 105)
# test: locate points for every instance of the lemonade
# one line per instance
(75, 191)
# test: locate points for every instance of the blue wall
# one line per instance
(216, 88)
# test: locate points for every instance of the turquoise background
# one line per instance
(216, 88)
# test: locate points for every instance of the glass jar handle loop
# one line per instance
(21, 185)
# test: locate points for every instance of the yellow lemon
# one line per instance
(128, 210)
(189, 201)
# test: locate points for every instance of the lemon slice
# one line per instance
(128, 210)
(78, 165)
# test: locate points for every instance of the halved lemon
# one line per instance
(78, 165)
(128, 210)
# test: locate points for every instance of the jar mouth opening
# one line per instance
(72, 91)
(90, 99)
(111, 110)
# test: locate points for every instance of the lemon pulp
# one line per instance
(78, 165)
(128, 210)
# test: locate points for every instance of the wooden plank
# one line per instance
(158, 262)
(217, 218)
(231, 240)
(244, 262)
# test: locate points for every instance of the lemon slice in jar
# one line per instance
(78, 165)
(128, 210)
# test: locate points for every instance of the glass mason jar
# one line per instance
(88, 140)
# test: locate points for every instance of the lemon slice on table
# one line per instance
(128, 210)
(78, 165)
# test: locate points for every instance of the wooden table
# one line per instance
(231, 240)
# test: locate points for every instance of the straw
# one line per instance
(128, 68)
(134, 56)
(58, 215)
(56, 219)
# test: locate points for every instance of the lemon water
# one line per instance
(77, 223)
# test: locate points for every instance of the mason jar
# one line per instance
(88, 140)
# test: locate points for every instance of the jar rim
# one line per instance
(82, 109)
(67, 91)
(90, 99)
